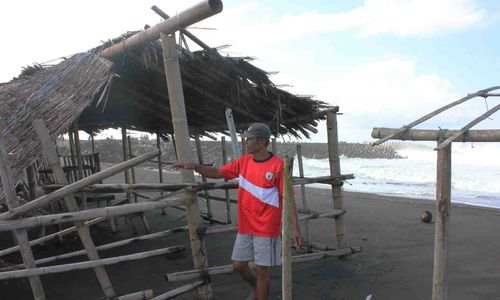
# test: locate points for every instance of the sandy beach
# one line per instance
(396, 261)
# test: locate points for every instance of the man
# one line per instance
(260, 194)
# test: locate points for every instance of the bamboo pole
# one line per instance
(153, 187)
(437, 135)
(20, 235)
(203, 178)
(243, 148)
(88, 264)
(79, 160)
(226, 192)
(443, 207)
(108, 246)
(160, 165)
(232, 132)
(72, 156)
(333, 156)
(303, 192)
(71, 205)
(228, 269)
(467, 127)
(75, 216)
(179, 120)
(434, 113)
(142, 295)
(181, 290)
(32, 182)
(273, 146)
(132, 173)
(185, 18)
(126, 172)
(92, 143)
(76, 186)
(286, 250)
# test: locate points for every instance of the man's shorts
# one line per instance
(264, 251)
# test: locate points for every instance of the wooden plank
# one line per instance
(443, 207)
(70, 201)
(286, 230)
(434, 113)
(21, 234)
(334, 160)
(179, 121)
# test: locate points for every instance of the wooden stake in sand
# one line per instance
(286, 250)
(179, 121)
(443, 199)
(21, 234)
(333, 156)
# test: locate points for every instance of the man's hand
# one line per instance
(185, 165)
(297, 237)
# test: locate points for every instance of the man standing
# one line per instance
(260, 195)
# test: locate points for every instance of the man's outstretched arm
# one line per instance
(206, 171)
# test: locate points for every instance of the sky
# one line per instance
(385, 63)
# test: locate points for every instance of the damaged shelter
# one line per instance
(142, 81)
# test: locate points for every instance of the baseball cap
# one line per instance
(255, 130)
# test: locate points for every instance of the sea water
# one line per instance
(475, 173)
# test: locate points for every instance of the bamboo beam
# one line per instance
(199, 152)
(185, 18)
(88, 264)
(228, 269)
(334, 160)
(434, 113)
(76, 186)
(104, 212)
(475, 136)
(181, 290)
(21, 235)
(179, 118)
(286, 250)
(226, 192)
(443, 207)
(467, 127)
(303, 192)
(83, 231)
(142, 295)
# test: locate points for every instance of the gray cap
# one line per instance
(257, 130)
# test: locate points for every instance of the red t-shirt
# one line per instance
(259, 194)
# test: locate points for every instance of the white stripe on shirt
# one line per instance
(267, 195)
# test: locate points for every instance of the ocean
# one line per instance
(475, 173)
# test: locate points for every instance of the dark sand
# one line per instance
(396, 262)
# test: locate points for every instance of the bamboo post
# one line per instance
(72, 154)
(32, 182)
(160, 165)
(21, 234)
(286, 250)
(132, 171)
(273, 146)
(203, 178)
(303, 194)
(126, 173)
(79, 161)
(333, 156)
(82, 229)
(228, 199)
(93, 143)
(179, 122)
(443, 199)
(243, 148)
(232, 131)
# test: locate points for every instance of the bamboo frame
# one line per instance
(83, 231)
(76, 186)
(79, 161)
(476, 136)
(333, 157)
(286, 250)
(142, 295)
(20, 235)
(226, 192)
(199, 152)
(181, 290)
(303, 193)
(232, 132)
(88, 264)
(160, 165)
(228, 269)
(179, 120)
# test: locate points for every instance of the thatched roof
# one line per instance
(131, 92)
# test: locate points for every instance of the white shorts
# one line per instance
(264, 251)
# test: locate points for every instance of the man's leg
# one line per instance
(243, 268)
(263, 282)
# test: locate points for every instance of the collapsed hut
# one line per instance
(145, 81)
(444, 139)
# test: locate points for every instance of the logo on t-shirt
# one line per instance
(269, 175)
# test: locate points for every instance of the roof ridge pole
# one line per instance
(196, 13)
(184, 153)
(20, 234)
